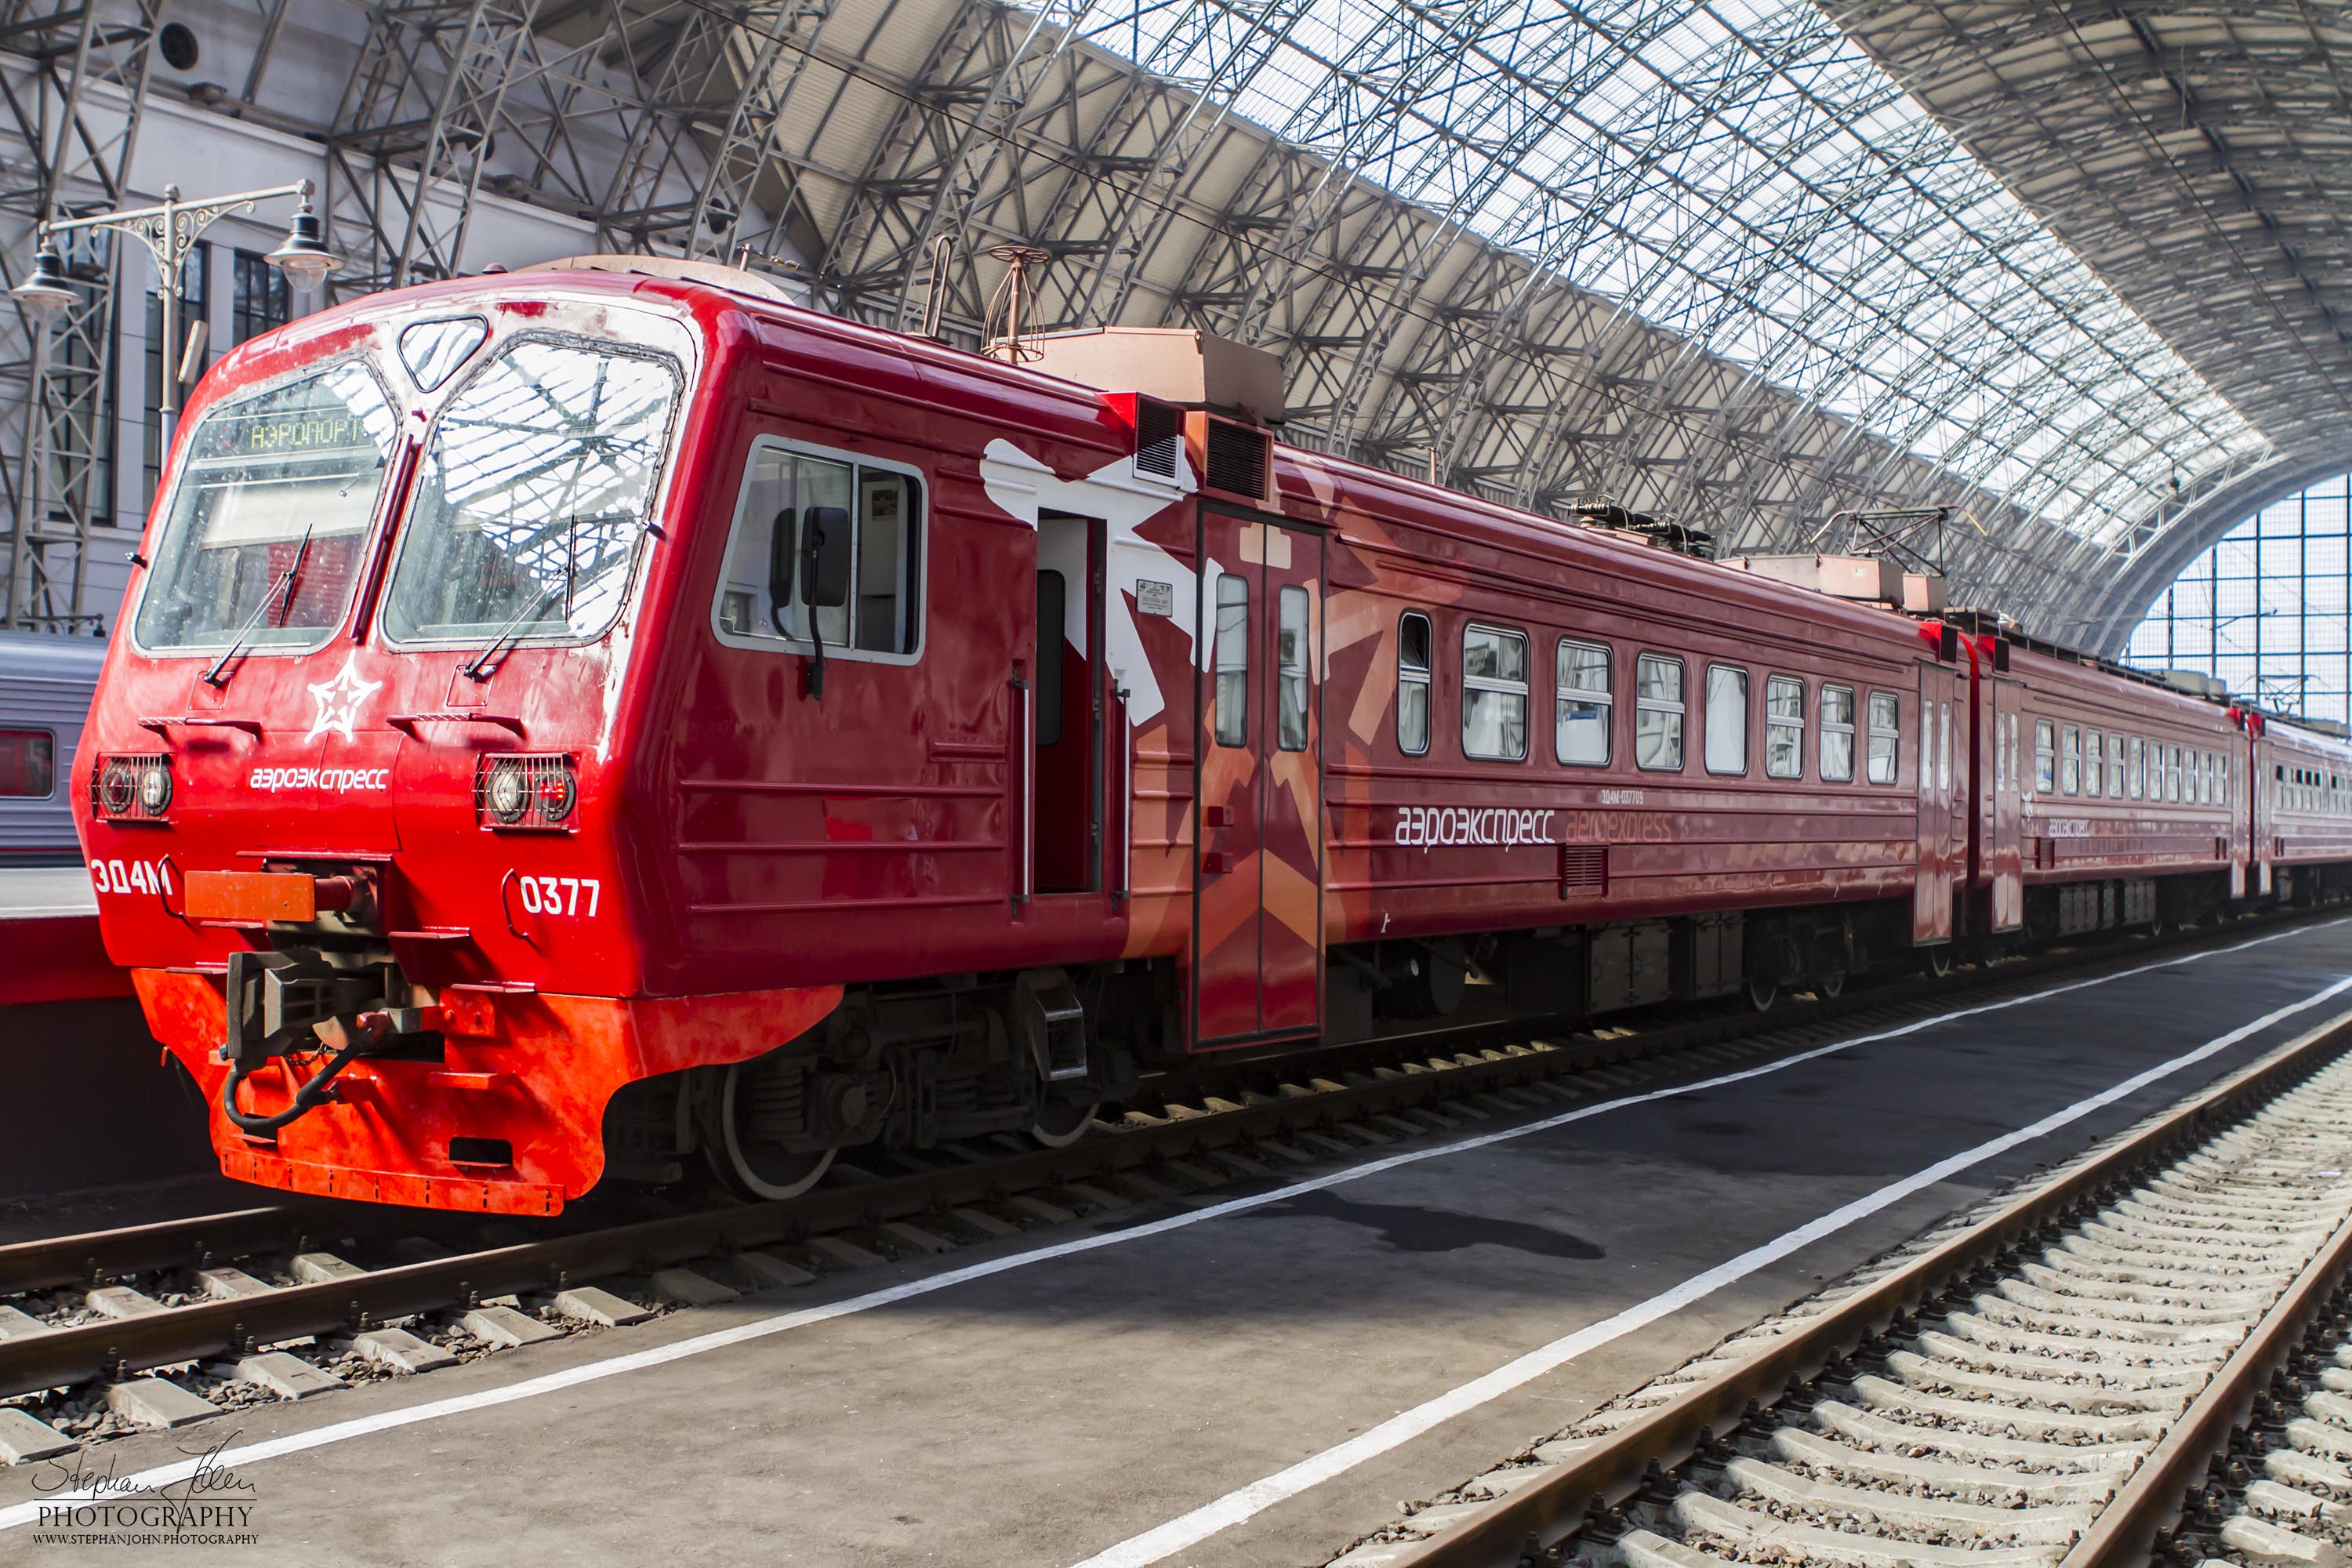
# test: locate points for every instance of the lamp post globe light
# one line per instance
(170, 230)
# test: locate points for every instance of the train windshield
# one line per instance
(269, 515)
(534, 494)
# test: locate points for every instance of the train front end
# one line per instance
(355, 791)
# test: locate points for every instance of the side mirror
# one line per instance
(824, 556)
(781, 557)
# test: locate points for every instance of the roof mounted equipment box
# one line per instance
(1181, 366)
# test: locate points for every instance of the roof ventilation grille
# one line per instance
(1159, 440)
(1238, 455)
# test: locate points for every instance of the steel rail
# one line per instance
(113, 1348)
(1546, 1512)
(2127, 1529)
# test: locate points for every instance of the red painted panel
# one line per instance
(56, 958)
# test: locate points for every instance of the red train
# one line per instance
(601, 718)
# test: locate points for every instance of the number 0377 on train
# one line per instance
(605, 722)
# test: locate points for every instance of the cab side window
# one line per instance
(789, 498)
(1412, 683)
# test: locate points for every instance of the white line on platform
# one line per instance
(1210, 1519)
(1237, 1506)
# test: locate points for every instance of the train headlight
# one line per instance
(538, 791)
(556, 793)
(118, 787)
(155, 789)
(505, 796)
(132, 788)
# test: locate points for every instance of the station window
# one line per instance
(1784, 727)
(1885, 738)
(1291, 639)
(1727, 719)
(785, 494)
(1658, 714)
(29, 759)
(1584, 698)
(1412, 683)
(2138, 751)
(2070, 759)
(2045, 756)
(1494, 693)
(1232, 660)
(1837, 734)
(2094, 762)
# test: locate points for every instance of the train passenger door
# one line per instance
(1931, 890)
(2005, 856)
(1257, 931)
(1066, 806)
(2261, 801)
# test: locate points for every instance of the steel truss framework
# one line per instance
(1711, 260)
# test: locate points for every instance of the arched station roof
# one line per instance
(2071, 271)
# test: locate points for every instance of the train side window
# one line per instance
(1412, 683)
(2070, 759)
(2094, 762)
(2116, 767)
(1885, 738)
(1727, 719)
(2138, 750)
(1585, 699)
(2045, 756)
(1494, 693)
(2172, 772)
(28, 764)
(1837, 734)
(1232, 660)
(1658, 714)
(781, 487)
(2016, 765)
(1290, 670)
(1784, 727)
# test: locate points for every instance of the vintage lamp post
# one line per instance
(170, 230)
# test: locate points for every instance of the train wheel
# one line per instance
(1762, 993)
(1830, 986)
(1060, 1124)
(1939, 960)
(751, 1166)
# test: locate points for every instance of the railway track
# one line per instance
(2144, 1351)
(286, 1301)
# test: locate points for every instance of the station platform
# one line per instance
(94, 1100)
(49, 946)
(1252, 1376)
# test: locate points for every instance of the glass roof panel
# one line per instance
(1742, 173)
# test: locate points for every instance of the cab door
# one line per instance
(1931, 890)
(1257, 933)
(2005, 854)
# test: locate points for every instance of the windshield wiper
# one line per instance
(285, 586)
(480, 669)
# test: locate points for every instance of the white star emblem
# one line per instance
(339, 700)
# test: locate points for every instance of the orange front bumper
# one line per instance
(533, 1071)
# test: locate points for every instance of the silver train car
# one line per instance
(46, 683)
